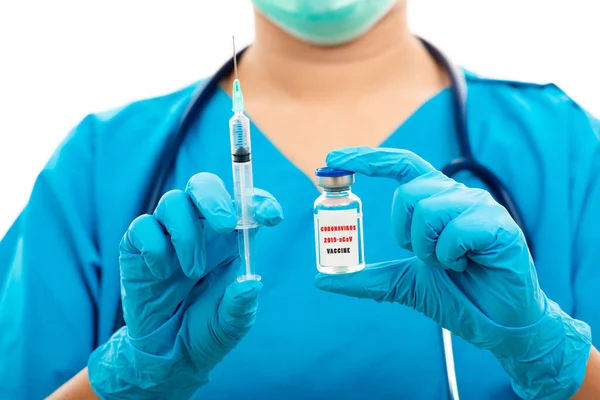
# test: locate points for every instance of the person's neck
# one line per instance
(387, 55)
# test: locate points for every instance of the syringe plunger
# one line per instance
(243, 187)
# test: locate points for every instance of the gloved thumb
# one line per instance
(422, 287)
(390, 281)
(237, 311)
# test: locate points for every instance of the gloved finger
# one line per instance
(177, 214)
(409, 282)
(484, 233)
(220, 312)
(145, 240)
(486, 242)
(432, 215)
(408, 196)
(390, 281)
(212, 201)
(237, 312)
(268, 210)
(151, 280)
(398, 164)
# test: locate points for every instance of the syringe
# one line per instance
(243, 188)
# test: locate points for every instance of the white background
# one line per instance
(60, 60)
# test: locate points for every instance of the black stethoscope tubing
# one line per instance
(466, 162)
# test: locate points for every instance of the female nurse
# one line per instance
(447, 255)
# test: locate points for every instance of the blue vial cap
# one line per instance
(332, 172)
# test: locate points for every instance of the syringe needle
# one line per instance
(243, 188)
(234, 58)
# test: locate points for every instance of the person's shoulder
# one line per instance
(543, 104)
(542, 93)
(148, 109)
(134, 129)
(542, 112)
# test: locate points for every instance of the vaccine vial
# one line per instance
(338, 224)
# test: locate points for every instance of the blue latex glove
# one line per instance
(183, 314)
(472, 274)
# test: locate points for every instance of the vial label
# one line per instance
(338, 237)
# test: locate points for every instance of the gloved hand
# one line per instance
(183, 314)
(472, 273)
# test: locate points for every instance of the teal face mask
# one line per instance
(325, 22)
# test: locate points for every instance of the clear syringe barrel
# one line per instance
(243, 193)
(241, 155)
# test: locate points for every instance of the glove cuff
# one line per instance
(546, 360)
(143, 368)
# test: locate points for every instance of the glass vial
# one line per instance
(338, 224)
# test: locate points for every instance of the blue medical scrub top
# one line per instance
(59, 263)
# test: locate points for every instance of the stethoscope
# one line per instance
(466, 162)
